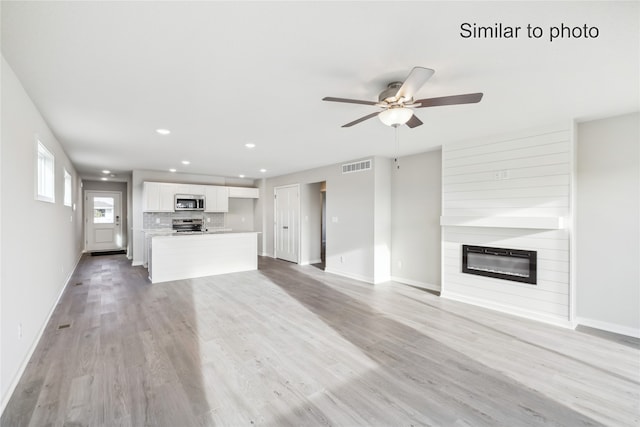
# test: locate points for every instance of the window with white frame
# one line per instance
(67, 188)
(46, 174)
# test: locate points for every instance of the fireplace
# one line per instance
(507, 264)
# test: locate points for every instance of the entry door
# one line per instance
(103, 221)
(287, 222)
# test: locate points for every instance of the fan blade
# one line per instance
(349, 101)
(414, 81)
(468, 98)
(361, 119)
(414, 121)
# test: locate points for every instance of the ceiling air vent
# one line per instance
(356, 166)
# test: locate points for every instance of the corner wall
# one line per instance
(416, 194)
(38, 258)
(382, 220)
(608, 224)
(310, 225)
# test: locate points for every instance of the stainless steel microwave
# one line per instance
(189, 202)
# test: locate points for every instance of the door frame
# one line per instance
(275, 216)
(86, 215)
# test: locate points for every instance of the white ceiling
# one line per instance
(105, 75)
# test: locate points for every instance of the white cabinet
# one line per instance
(244, 193)
(196, 190)
(158, 197)
(216, 198)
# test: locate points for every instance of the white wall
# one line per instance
(139, 176)
(416, 193)
(538, 164)
(240, 215)
(310, 226)
(350, 205)
(382, 220)
(608, 224)
(259, 214)
(41, 242)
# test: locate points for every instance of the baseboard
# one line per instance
(34, 345)
(136, 263)
(311, 261)
(609, 327)
(416, 283)
(350, 276)
(382, 279)
(527, 314)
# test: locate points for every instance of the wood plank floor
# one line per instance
(291, 345)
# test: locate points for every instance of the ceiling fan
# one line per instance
(397, 101)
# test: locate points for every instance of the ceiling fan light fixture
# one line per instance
(395, 116)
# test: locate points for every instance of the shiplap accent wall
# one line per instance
(527, 175)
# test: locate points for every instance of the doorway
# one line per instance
(287, 223)
(323, 225)
(103, 221)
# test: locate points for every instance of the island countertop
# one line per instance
(177, 256)
(199, 233)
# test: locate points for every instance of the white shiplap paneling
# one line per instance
(527, 175)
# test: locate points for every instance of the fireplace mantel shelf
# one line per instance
(544, 223)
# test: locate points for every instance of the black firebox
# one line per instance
(500, 263)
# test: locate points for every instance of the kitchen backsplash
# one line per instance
(158, 220)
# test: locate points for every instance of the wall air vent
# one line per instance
(356, 166)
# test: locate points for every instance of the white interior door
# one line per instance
(287, 223)
(103, 221)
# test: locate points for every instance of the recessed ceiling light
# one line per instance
(106, 171)
(186, 162)
(172, 170)
(263, 170)
(250, 145)
(163, 131)
(104, 178)
(241, 176)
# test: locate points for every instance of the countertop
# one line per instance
(171, 233)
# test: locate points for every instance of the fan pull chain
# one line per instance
(397, 158)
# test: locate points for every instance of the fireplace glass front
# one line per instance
(500, 263)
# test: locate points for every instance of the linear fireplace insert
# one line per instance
(500, 263)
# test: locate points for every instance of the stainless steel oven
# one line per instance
(187, 225)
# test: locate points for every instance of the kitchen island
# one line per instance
(180, 256)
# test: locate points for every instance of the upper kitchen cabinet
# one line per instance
(158, 197)
(216, 198)
(244, 193)
(196, 190)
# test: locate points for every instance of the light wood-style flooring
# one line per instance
(291, 345)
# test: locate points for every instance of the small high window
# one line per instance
(67, 188)
(46, 174)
